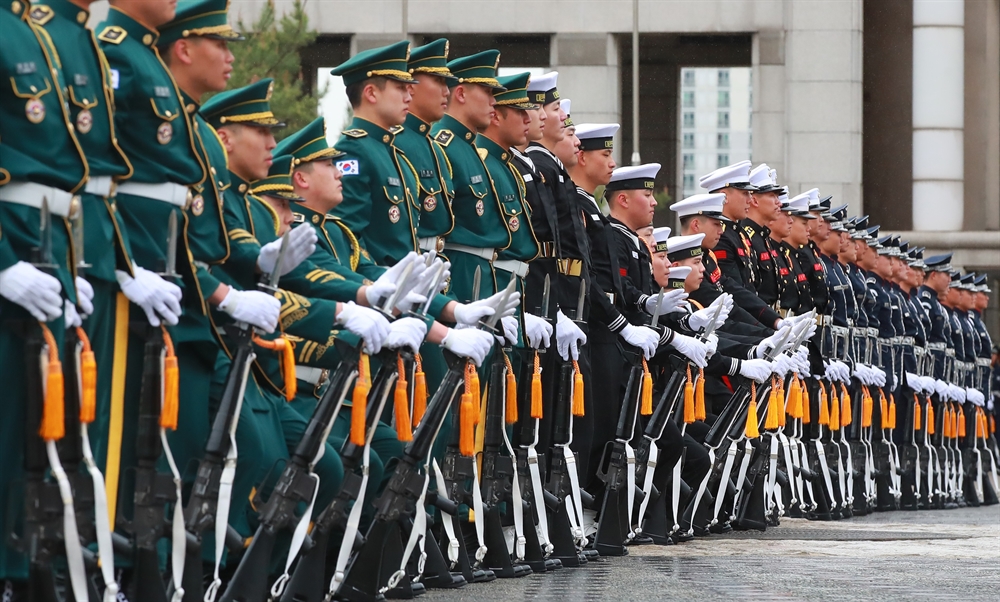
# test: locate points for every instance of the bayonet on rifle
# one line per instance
(546, 291)
(170, 269)
(477, 279)
(270, 281)
(580, 299)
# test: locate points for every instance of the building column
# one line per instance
(589, 75)
(938, 114)
(768, 118)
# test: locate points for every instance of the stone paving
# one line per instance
(930, 555)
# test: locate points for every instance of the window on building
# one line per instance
(722, 141)
(722, 160)
(688, 181)
(688, 100)
(688, 77)
(723, 99)
(688, 161)
(689, 120)
(688, 140)
(724, 119)
(723, 78)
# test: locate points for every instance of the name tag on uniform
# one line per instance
(161, 91)
(560, 179)
(392, 181)
(476, 179)
(635, 255)
(527, 177)
(114, 79)
(79, 79)
(26, 68)
(596, 218)
(426, 173)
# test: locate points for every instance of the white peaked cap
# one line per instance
(731, 175)
(700, 204)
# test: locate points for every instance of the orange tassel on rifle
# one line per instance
(793, 407)
(468, 415)
(918, 422)
(834, 409)
(806, 417)
(771, 419)
(359, 401)
(867, 407)
(171, 385)
(780, 409)
(286, 348)
(88, 379)
(946, 423)
(884, 406)
(892, 412)
(846, 411)
(699, 396)
(752, 429)
(477, 393)
(511, 392)
(961, 422)
(931, 427)
(419, 391)
(824, 406)
(578, 409)
(646, 393)
(536, 390)
(401, 403)
(689, 412)
(53, 427)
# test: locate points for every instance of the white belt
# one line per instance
(937, 346)
(513, 266)
(983, 361)
(484, 253)
(31, 194)
(168, 192)
(99, 186)
(311, 375)
(430, 243)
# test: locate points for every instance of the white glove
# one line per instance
(878, 376)
(469, 314)
(509, 326)
(768, 344)
(642, 337)
(691, 348)
(71, 317)
(386, 284)
(699, 319)
(892, 380)
(863, 373)
(958, 394)
(32, 289)
(84, 297)
(926, 384)
(829, 371)
(941, 388)
(805, 372)
(757, 370)
(406, 332)
(913, 381)
(301, 244)
(468, 342)
(537, 331)
(569, 337)
(712, 342)
(158, 298)
(673, 300)
(843, 371)
(974, 396)
(418, 292)
(781, 365)
(800, 359)
(365, 322)
(256, 308)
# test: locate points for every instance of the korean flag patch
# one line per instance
(348, 167)
(114, 79)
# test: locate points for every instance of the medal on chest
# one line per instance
(164, 133)
(514, 223)
(480, 207)
(84, 121)
(430, 203)
(34, 110)
(394, 214)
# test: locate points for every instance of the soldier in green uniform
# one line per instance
(379, 185)
(480, 227)
(91, 107)
(176, 160)
(33, 107)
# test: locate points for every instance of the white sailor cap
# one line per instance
(680, 248)
(676, 277)
(709, 205)
(660, 236)
(798, 206)
(763, 178)
(783, 195)
(597, 136)
(813, 194)
(542, 89)
(564, 104)
(736, 175)
(633, 177)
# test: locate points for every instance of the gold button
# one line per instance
(16, 7)
(385, 138)
(503, 156)
(147, 39)
(242, 188)
(315, 219)
(468, 136)
(34, 89)
(81, 17)
(190, 108)
(169, 114)
(423, 128)
(212, 169)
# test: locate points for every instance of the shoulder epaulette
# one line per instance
(483, 153)
(332, 217)
(298, 218)
(41, 14)
(749, 231)
(444, 137)
(396, 129)
(355, 133)
(112, 34)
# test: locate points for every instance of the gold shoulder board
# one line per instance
(483, 153)
(444, 137)
(112, 34)
(356, 133)
(298, 218)
(41, 14)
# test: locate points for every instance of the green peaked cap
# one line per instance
(387, 61)
(278, 181)
(199, 18)
(308, 144)
(249, 105)
(433, 59)
(479, 68)
(516, 93)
